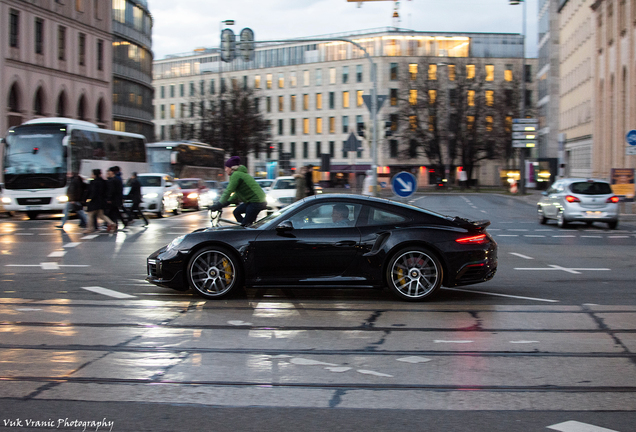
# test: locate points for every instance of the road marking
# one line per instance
(524, 230)
(453, 341)
(370, 372)
(414, 359)
(591, 236)
(72, 245)
(47, 265)
(108, 292)
(563, 236)
(23, 234)
(501, 295)
(309, 362)
(523, 342)
(620, 236)
(338, 369)
(90, 237)
(507, 235)
(57, 254)
(534, 235)
(574, 426)
(239, 323)
(520, 255)
(565, 269)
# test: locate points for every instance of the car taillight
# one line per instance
(571, 199)
(478, 239)
(613, 199)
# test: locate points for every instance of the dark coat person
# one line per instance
(96, 202)
(134, 195)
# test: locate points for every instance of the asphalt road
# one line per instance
(548, 344)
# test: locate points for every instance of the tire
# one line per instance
(177, 210)
(542, 218)
(32, 215)
(213, 272)
(160, 211)
(613, 224)
(424, 274)
(561, 222)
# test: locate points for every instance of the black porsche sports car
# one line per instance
(337, 240)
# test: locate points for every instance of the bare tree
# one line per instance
(456, 113)
(230, 120)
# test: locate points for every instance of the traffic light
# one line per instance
(228, 45)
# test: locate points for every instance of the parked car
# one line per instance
(579, 200)
(332, 240)
(195, 193)
(281, 193)
(160, 193)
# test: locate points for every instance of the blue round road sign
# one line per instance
(404, 184)
(631, 137)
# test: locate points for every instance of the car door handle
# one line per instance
(346, 243)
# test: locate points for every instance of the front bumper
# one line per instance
(165, 269)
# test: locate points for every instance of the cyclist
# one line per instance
(243, 189)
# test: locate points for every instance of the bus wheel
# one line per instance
(32, 215)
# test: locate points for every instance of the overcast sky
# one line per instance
(184, 25)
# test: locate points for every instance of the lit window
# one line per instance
(332, 125)
(292, 79)
(490, 72)
(432, 72)
(172, 110)
(318, 101)
(345, 99)
(490, 98)
(305, 102)
(451, 72)
(268, 83)
(432, 97)
(281, 80)
(319, 125)
(413, 122)
(306, 126)
(306, 78)
(292, 103)
(489, 123)
(470, 121)
(413, 97)
(359, 99)
(508, 74)
(413, 71)
(470, 71)
(471, 98)
(281, 103)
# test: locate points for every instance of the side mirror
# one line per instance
(285, 226)
(168, 184)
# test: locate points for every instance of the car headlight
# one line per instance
(6, 200)
(271, 200)
(151, 196)
(193, 195)
(213, 194)
(62, 198)
(176, 242)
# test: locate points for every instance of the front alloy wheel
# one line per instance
(561, 222)
(541, 215)
(414, 274)
(213, 273)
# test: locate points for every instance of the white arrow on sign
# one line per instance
(407, 187)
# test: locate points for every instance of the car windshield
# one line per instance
(188, 184)
(591, 188)
(265, 183)
(285, 184)
(267, 221)
(152, 181)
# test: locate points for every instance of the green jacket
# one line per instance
(242, 188)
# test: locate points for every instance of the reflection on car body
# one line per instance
(579, 200)
(372, 243)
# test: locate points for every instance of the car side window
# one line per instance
(327, 215)
(383, 217)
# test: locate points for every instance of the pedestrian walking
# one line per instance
(309, 180)
(114, 196)
(301, 184)
(134, 195)
(76, 193)
(367, 184)
(96, 202)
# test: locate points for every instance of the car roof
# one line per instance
(582, 179)
(189, 178)
(153, 174)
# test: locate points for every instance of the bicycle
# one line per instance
(215, 218)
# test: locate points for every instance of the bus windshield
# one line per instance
(35, 158)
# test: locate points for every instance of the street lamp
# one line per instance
(448, 125)
(522, 168)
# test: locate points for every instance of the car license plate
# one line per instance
(593, 213)
(29, 208)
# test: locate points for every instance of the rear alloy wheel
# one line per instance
(213, 272)
(414, 274)
(561, 222)
(541, 215)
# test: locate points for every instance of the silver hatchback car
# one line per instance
(579, 200)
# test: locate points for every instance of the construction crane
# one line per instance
(396, 6)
